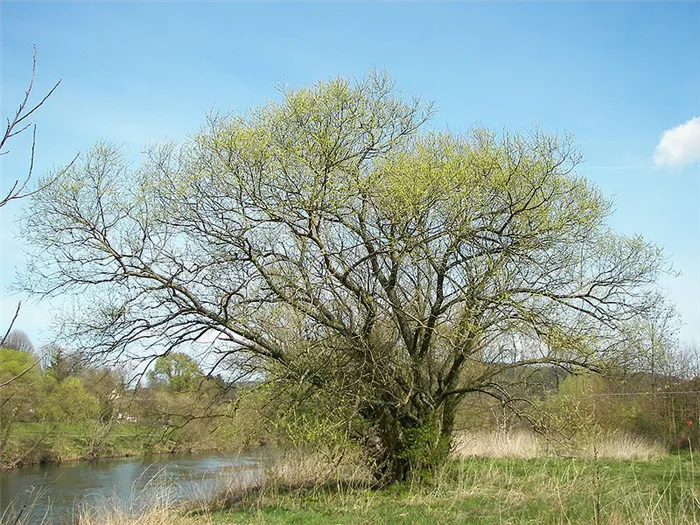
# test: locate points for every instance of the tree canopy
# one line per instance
(18, 340)
(177, 372)
(18, 364)
(329, 240)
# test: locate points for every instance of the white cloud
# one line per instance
(679, 146)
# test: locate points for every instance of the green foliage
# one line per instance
(21, 377)
(15, 362)
(107, 385)
(177, 372)
(671, 415)
(309, 419)
(69, 401)
(72, 410)
(581, 411)
(425, 448)
(658, 408)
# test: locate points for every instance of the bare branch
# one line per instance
(17, 125)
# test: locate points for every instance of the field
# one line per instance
(500, 491)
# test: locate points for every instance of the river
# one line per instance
(53, 493)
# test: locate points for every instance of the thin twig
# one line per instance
(9, 329)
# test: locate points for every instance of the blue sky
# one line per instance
(615, 75)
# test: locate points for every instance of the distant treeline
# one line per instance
(55, 405)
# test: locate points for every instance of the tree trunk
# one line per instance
(401, 448)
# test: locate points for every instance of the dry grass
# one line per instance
(623, 446)
(299, 468)
(156, 515)
(526, 445)
(523, 445)
(287, 472)
(154, 504)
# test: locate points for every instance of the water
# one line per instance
(56, 491)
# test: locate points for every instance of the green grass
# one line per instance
(498, 491)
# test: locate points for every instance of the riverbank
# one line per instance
(521, 486)
(477, 491)
(49, 444)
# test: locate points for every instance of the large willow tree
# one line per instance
(327, 239)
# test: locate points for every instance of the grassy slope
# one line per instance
(514, 491)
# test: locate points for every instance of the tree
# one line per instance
(69, 402)
(324, 240)
(108, 386)
(177, 372)
(17, 362)
(18, 340)
(20, 378)
(62, 364)
(651, 339)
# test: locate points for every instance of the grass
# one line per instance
(497, 491)
(475, 491)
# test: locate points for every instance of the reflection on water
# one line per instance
(130, 483)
